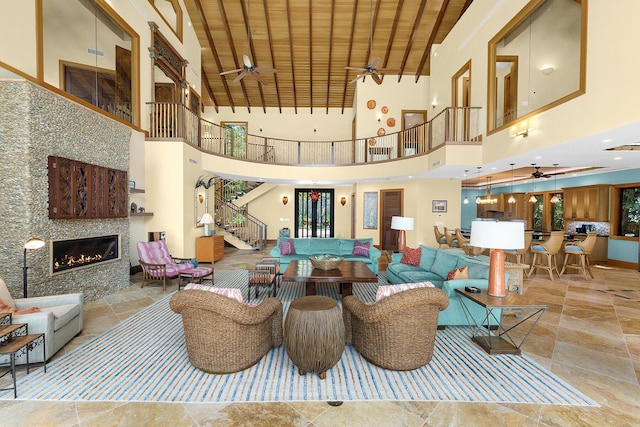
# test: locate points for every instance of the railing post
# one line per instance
(447, 130)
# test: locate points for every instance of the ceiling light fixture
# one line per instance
(478, 188)
(466, 199)
(512, 199)
(533, 199)
(555, 199)
(488, 200)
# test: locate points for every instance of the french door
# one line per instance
(314, 213)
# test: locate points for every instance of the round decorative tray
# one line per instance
(326, 262)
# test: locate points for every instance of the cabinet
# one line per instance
(590, 203)
(210, 248)
(488, 210)
(514, 210)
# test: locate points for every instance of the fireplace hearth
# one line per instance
(77, 253)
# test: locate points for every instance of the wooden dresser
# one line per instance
(210, 249)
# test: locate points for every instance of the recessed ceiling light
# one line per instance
(617, 158)
(607, 140)
(537, 157)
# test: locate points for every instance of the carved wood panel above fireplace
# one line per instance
(79, 190)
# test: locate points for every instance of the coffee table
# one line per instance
(349, 272)
(491, 333)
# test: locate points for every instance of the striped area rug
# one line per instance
(144, 358)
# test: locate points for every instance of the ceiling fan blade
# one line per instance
(375, 63)
(376, 78)
(355, 68)
(357, 78)
(265, 70)
(246, 61)
(231, 71)
(259, 78)
(240, 76)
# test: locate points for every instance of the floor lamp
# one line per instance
(401, 223)
(497, 235)
(206, 220)
(30, 244)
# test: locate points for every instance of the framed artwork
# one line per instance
(439, 206)
(370, 210)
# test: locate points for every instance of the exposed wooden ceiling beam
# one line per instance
(333, 8)
(392, 36)
(232, 47)
(311, 56)
(414, 31)
(207, 86)
(293, 68)
(346, 72)
(426, 55)
(245, 15)
(273, 56)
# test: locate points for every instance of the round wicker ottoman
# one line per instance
(314, 334)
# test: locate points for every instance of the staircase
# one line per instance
(240, 229)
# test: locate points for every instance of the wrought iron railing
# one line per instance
(241, 224)
(452, 125)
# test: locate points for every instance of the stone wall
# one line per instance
(36, 123)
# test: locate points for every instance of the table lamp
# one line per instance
(30, 244)
(206, 220)
(401, 223)
(497, 235)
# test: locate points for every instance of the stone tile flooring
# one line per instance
(590, 336)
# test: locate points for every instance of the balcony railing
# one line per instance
(452, 125)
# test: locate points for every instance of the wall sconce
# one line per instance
(285, 200)
(379, 117)
(520, 129)
(433, 105)
(547, 70)
(200, 198)
(343, 200)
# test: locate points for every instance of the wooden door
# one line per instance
(391, 204)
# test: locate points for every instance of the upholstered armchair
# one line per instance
(397, 332)
(224, 335)
(158, 265)
(59, 318)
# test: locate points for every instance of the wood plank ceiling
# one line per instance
(310, 42)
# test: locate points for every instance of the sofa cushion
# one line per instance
(388, 290)
(5, 296)
(478, 271)
(324, 246)
(458, 273)
(411, 256)
(287, 247)
(427, 256)
(361, 248)
(62, 314)
(232, 293)
(421, 276)
(444, 263)
(302, 246)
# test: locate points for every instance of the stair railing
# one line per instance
(238, 222)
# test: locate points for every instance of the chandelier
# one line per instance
(487, 200)
(314, 195)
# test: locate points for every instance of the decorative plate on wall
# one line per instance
(384, 109)
(372, 141)
(391, 122)
(371, 104)
(382, 132)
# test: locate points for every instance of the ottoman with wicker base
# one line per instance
(314, 334)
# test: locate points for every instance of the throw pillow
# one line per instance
(361, 248)
(411, 256)
(459, 273)
(386, 291)
(5, 308)
(287, 248)
(5, 295)
(232, 293)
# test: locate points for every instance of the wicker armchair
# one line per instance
(223, 335)
(397, 332)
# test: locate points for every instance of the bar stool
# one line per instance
(452, 240)
(581, 250)
(440, 237)
(520, 253)
(550, 249)
(460, 238)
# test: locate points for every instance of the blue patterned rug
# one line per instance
(144, 358)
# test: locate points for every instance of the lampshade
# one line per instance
(34, 243)
(497, 234)
(206, 219)
(401, 223)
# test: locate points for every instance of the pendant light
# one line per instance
(555, 199)
(512, 199)
(533, 199)
(466, 199)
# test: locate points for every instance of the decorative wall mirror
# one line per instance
(537, 61)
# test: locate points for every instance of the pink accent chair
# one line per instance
(158, 265)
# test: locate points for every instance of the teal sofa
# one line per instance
(435, 264)
(306, 247)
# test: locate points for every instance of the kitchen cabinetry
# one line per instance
(210, 248)
(590, 203)
(489, 210)
(514, 210)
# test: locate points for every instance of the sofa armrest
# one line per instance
(50, 301)
(38, 323)
(396, 257)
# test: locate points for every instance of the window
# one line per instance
(235, 139)
(314, 213)
(557, 213)
(538, 210)
(626, 210)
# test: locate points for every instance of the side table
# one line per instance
(314, 334)
(14, 341)
(495, 338)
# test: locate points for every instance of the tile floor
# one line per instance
(590, 336)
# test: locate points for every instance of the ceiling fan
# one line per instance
(248, 68)
(371, 69)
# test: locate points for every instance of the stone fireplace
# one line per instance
(79, 253)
